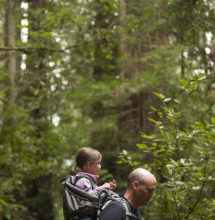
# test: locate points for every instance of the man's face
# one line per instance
(145, 191)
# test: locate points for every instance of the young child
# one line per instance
(88, 160)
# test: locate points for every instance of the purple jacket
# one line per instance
(85, 185)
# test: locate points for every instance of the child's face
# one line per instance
(94, 167)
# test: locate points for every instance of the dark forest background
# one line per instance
(134, 79)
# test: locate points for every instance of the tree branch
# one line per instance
(34, 50)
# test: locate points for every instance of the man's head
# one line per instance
(141, 185)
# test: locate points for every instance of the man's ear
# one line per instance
(135, 184)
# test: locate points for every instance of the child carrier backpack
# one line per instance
(77, 203)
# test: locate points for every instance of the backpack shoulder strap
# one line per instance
(115, 197)
(86, 177)
(129, 214)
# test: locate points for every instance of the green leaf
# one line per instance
(156, 122)
(148, 136)
(159, 151)
(193, 84)
(153, 108)
(169, 166)
(179, 183)
(159, 95)
(175, 100)
(152, 120)
(142, 146)
(167, 99)
(201, 77)
(125, 152)
(196, 187)
(184, 83)
(213, 120)
(3, 202)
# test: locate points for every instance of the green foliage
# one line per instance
(74, 72)
(183, 161)
(126, 157)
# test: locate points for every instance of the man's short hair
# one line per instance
(139, 175)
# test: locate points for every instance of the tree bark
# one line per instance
(12, 34)
(122, 41)
(10, 37)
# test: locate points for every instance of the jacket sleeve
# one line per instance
(85, 185)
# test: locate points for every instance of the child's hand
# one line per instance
(106, 186)
(112, 185)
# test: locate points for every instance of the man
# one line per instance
(140, 188)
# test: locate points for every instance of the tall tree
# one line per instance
(137, 35)
(12, 34)
(102, 110)
(36, 93)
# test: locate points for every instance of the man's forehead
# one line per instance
(151, 183)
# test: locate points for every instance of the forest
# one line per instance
(133, 79)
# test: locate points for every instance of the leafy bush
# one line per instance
(183, 160)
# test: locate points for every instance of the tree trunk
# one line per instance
(129, 114)
(39, 188)
(122, 40)
(133, 112)
(102, 68)
(12, 33)
(10, 38)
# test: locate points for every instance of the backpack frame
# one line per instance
(77, 203)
